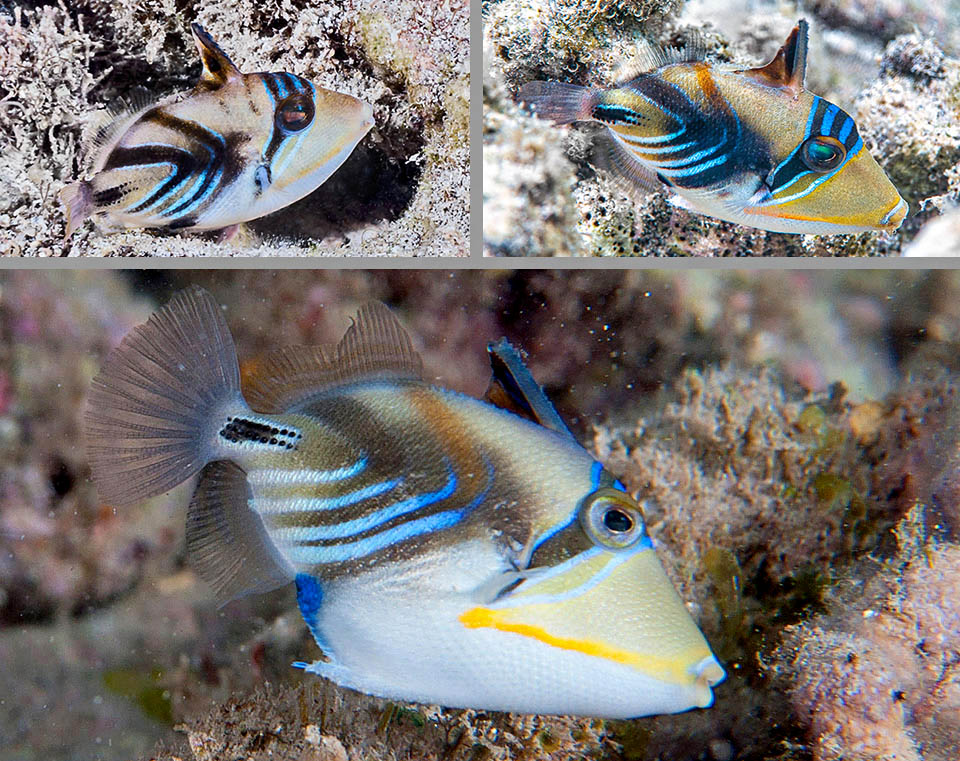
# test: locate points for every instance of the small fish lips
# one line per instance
(892, 220)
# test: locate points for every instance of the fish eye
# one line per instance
(294, 113)
(822, 154)
(612, 519)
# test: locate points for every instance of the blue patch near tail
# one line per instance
(310, 598)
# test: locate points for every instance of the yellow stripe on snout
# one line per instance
(673, 670)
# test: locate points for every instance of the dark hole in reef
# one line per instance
(370, 187)
(61, 478)
(24, 603)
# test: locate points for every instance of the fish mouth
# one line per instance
(894, 218)
(708, 673)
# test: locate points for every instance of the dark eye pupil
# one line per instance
(617, 520)
(295, 114)
(821, 156)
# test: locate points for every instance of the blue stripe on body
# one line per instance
(816, 183)
(281, 86)
(166, 179)
(596, 470)
(698, 169)
(306, 476)
(845, 131)
(827, 124)
(338, 553)
(378, 518)
(190, 202)
(631, 142)
(694, 157)
(616, 559)
(309, 599)
(317, 504)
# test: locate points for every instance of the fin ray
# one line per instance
(218, 69)
(789, 66)
(375, 346)
(559, 102)
(77, 201)
(151, 409)
(513, 388)
(227, 543)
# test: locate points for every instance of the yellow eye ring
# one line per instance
(823, 153)
(612, 519)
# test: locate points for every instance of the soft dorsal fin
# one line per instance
(375, 347)
(648, 56)
(104, 127)
(218, 69)
(789, 66)
(513, 388)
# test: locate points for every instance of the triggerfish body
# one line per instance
(445, 549)
(236, 147)
(750, 146)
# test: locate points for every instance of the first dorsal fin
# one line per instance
(513, 388)
(375, 347)
(789, 66)
(218, 69)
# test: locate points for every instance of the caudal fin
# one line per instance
(152, 412)
(558, 101)
(77, 200)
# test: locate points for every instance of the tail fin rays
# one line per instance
(558, 102)
(151, 414)
(77, 200)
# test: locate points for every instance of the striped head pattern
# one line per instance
(237, 147)
(445, 549)
(749, 146)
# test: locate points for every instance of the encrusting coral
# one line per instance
(404, 191)
(878, 676)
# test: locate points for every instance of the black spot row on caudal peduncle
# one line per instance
(239, 430)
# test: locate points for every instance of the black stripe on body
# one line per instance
(842, 124)
(110, 196)
(294, 85)
(710, 122)
(183, 161)
(208, 157)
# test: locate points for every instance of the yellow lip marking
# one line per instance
(672, 670)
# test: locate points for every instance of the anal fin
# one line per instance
(227, 543)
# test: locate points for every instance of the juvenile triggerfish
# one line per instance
(445, 549)
(750, 146)
(236, 147)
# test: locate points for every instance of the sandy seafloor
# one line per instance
(892, 64)
(794, 437)
(403, 192)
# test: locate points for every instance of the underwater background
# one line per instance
(793, 435)
(891, 64)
